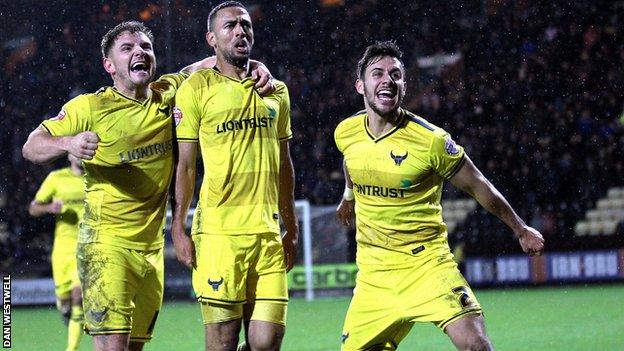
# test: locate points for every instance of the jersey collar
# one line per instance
(388, 133)
(142, 103)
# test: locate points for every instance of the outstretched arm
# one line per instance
(345, 211)
(38, 209)
(472, 181)
(259, 73)
(41, 147)
(287, 205)
(183, 194)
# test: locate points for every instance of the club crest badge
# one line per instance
(398, 159)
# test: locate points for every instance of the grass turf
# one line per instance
(565, 318)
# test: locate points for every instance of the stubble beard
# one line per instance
(390, 113)
(237, 61)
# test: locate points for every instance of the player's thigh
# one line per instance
(148, 298)
(222, 262)
(267, 287)
(373, 322)
(110, 277)
(468, 333)
(266, 311)
(434, 290)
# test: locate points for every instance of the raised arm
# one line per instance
(287, 205)
(41, 147)
(183, 194)
(472, 181)
(345, 211)
(259, 73)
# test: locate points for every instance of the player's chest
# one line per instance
(239, 113)
(388, 163)
(136, 134)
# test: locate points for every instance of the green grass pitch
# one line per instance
(564, 318)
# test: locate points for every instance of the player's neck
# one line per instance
(231, 70)
(379, 125)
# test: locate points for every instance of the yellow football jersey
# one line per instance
(397, 179)
(68, 187)
(128, 179)
(239, 133)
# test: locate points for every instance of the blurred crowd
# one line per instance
(534, 93)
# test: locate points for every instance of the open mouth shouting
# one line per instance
(241, 47)
(140, 68)
(386, 96)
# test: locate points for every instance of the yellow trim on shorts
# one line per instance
(140, 339)
(107, 331)
(223, 302)
(445, 323)
(230, 302)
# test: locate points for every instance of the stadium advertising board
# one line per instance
(33, 292)
(326, 276)
(556, 267)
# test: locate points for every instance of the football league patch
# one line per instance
(450, 147)
(177, 115)
(59, 117)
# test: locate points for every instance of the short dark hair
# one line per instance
(129, 26)
(377, 51)
(221, 6)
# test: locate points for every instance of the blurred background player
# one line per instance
(395, 164)
(62, 194)
(238, 258)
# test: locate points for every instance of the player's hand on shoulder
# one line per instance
(345, 212)
(263, 78)
(83, 145)
(289, 242)
(531, 240)
(185, 250)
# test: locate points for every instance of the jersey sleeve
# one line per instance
(173, 79)
(447, 157)
(283, 123)
(338, 139)
(73, 118)
(46, 191)
(186, 113)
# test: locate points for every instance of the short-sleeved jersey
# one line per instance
(128, 178)
(239, 133)
(66, 186)
(397, 178)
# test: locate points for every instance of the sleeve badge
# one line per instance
(450, 147)
(177, 115)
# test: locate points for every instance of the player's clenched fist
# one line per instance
(83, 145)
(345, 212)
(531, 241)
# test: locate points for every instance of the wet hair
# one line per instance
(221, 6)
(375, 52)
(130, 26)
